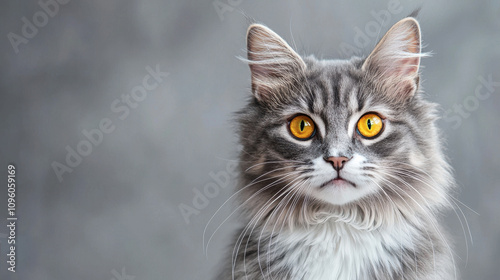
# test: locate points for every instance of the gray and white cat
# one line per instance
(342, 172)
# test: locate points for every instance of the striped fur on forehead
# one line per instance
(332, 89)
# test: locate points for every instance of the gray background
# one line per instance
(119, 207)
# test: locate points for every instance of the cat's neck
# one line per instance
(337, 250)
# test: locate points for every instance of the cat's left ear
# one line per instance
(395, 61)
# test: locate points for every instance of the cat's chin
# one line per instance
(340, 191)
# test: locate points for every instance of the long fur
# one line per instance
(385, 226)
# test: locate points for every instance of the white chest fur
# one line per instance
(335, 250)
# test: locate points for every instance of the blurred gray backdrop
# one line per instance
(71, 69)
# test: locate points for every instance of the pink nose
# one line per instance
(337, 162)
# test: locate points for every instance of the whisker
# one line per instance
(401, 220)
(227, 200)
(283, 222)
(427, 232)
(281, 178)
(287, 191)
(256, 217)
(428, 175)
(414, 175)
(427, 214)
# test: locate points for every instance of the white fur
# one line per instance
(335, 250)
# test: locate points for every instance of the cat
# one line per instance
(342, 170)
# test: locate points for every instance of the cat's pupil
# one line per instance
(302, 125)
(369, 122)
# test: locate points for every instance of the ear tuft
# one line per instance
(273, 63)
(395, 61)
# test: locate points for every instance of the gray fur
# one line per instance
(276, 173)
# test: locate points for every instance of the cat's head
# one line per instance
(330, 137)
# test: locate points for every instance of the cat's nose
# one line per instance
(337, 162)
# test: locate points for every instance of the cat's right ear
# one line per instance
(273, 63)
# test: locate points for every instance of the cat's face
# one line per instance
(340, 132)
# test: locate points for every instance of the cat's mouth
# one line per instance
(338, 182)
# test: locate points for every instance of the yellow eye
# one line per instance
(370, 125)
(302, 127)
